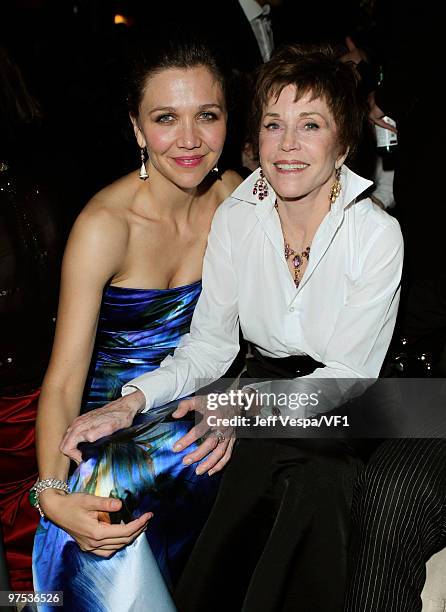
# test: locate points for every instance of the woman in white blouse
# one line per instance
(311, 272)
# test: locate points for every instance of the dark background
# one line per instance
(73, 57)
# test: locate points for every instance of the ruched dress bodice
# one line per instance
(137, 329)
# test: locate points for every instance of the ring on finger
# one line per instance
(219, 435)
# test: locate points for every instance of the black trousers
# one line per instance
(399, 522)
(277, 537)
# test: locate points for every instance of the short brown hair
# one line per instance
(316, 69)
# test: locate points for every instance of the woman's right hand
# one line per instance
(104, 421)
(79, 514)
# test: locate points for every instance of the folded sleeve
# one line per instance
(206, 352)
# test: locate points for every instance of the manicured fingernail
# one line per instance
(115, 504)
(187, 461)
(177, 446)
(199, 471)
(211, 472)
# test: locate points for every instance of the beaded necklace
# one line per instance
(298, 258)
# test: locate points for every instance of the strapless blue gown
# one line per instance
(137, 329)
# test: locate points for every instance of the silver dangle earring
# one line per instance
(143, 172)
(260, 187)
(215, 169)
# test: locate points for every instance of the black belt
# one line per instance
(259, 366)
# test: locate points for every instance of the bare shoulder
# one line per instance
(102, 227)
(230, 180)
(99, 223)
(116, 197)
(108, 209)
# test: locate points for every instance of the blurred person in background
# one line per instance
(32, 232)
(389, 63)
(399, 518)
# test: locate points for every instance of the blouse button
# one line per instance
(291, 308)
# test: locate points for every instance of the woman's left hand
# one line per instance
(218, 441)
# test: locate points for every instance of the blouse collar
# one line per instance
(352, 187)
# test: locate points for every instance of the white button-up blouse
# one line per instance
(342, 314)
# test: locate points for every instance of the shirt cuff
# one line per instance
(131, 388)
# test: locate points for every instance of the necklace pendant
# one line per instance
(298, 258)
(297, 261)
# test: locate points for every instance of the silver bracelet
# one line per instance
(42, 485)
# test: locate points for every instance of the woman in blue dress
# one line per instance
(130, 282)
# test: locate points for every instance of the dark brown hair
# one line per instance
(179, 53)
(316, 70)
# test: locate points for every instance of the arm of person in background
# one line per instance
(202, 356)
(409, 42)
(354, 54)
(359, 58)
(366, 71)
(377, 115)
(368, 75)
(94, 251)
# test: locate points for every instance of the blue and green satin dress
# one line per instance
(137, 329)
